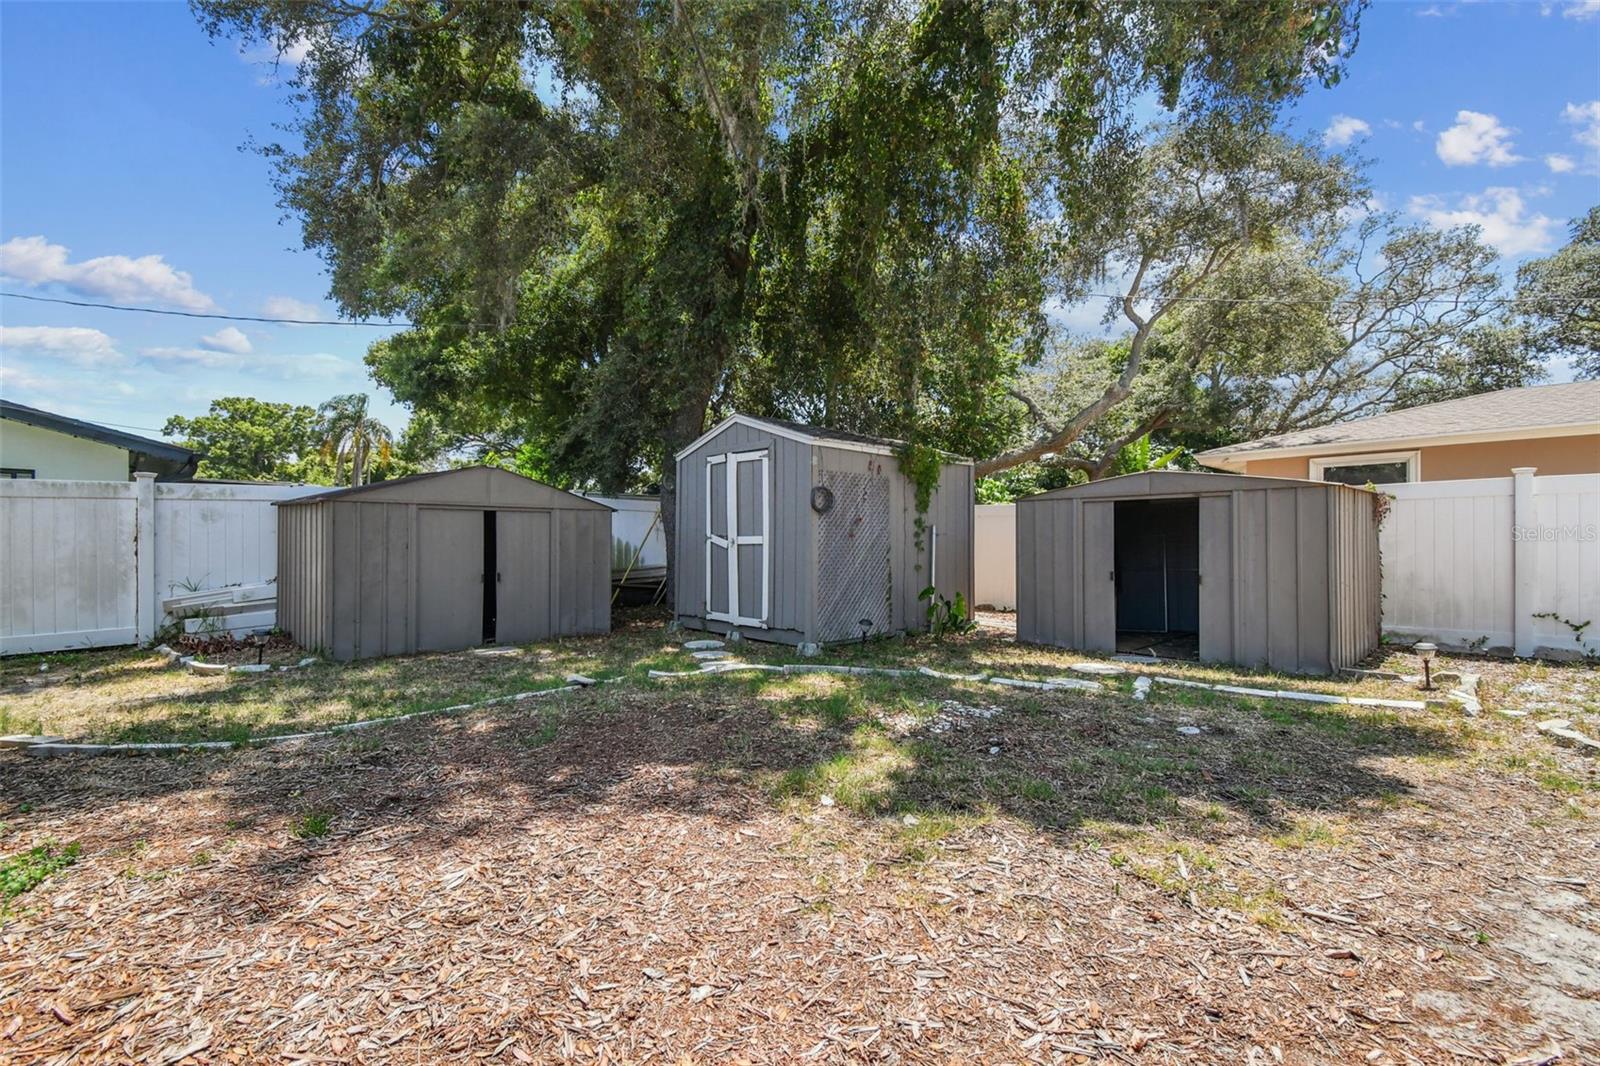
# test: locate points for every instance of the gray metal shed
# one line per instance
(439, 562)
(1258, 571)
(795, 534)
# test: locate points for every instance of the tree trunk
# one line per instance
(688, 422)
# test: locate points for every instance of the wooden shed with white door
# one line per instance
(440, 562)
(1259, 571)
(801, 535)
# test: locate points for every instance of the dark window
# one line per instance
(16, 472)
(1368, 473)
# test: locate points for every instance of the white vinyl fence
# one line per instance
(994, 556)
(1507, 563)
(89, 563)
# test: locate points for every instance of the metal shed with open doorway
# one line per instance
(1259, 571)
(442, 561)
(801, 535)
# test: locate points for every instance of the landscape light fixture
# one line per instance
(866, 627)
(1426, 652)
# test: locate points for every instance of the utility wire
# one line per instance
(1283, 300)
(207, 314)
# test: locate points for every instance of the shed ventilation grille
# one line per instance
(853, 556)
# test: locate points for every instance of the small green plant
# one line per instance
(22, 872)
(947, 616)
(311, 825)
(1590, 651)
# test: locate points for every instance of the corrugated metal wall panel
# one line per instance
(1217, 587)
(1290, 575)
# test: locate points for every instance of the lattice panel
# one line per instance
(853, 557)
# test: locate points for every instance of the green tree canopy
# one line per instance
(611, 221)
(246, 439)
(1558, 298)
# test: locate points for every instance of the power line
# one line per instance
(208, 314)
(1280, 300)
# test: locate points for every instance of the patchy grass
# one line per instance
(311, 825)
(658, 858)
(25, 871)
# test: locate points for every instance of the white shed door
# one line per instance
(738, 555)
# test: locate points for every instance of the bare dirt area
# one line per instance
(821, 868)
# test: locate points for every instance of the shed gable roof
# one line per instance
(1178, 483)
(487, 486)
(832, 438)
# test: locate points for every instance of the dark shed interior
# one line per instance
(1158, 576)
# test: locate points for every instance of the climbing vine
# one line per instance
(922, 465)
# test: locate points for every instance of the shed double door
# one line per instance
(1095, 549)
(738, 520)
(454, 570)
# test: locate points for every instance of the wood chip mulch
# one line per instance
(626, 892)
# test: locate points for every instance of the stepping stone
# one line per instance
(707, 656)
(25, 740)
(496, 652)
(703, 645)
(1141, 687)
(196, 667)
(1098, 669)
(1190, 730)
(1146, 659)
(1073, 682)
(928, 671)
(251, 668)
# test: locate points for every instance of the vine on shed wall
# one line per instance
(922, 465)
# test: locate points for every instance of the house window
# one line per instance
(1387, 468)
(15, 472)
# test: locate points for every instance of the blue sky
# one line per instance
(122, 179)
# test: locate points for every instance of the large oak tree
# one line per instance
(610, 220)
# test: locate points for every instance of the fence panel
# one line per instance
(1468, 564)
(994, 553)
(67, 578)
(211, 536)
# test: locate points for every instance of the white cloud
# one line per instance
(276, 59)
(1344, 129)
(1586, 117)
(1581, 9)
(289, 307)
(14, 377)
(1433, 11)
(1559, 164)
(1499, 212)
(1476, 138)
(147, 279)
(227, 339)
(284, 367)
(77, 345)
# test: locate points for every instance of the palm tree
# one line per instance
(348, 432)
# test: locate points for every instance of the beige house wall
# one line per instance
(1453, 462)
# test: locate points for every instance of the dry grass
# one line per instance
(804, 868)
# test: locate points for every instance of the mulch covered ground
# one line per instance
(642, 873)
